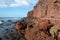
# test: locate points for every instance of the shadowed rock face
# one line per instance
(38, 31)
(20, 27)
(32, 32)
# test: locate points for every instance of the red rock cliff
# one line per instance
(46, 9)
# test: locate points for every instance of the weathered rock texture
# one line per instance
(46, 8)
(40, 20)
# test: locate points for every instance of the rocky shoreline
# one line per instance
(40, 23)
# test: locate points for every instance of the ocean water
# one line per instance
(9, 18)
(7, 27)
(6, 19)
(8, 23)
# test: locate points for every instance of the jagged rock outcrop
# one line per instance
(38, 31)
(33, 31)
(46, 9)
(40, 20)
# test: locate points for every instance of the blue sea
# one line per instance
(8, 23)
(7, 27)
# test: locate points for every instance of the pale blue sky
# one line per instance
(16, 8)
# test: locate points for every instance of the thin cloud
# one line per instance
(16, 3)
(19, 3)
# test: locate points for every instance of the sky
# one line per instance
(16, 8)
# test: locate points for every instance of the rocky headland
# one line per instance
(40, 23)
(44, 16)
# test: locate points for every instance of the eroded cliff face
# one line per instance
(40, 20)
(46, 8)
(39, 24)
